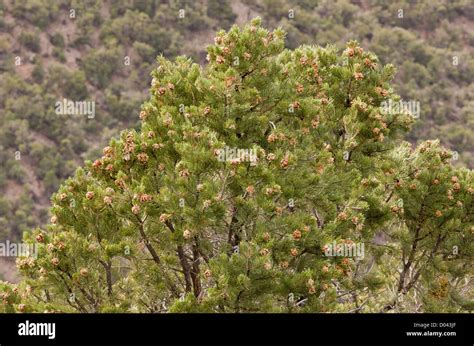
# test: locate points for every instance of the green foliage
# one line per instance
(99, 65)
(38, 12)
(221, 10)
(75, 86)
(58, 53)
(57, 39)
(136, 26)
(30, 40)
(163, 223)
(146, 52)
(38, 73)
(422, 44)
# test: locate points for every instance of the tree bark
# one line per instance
(195, 272)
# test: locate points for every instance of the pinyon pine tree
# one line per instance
(243, 174)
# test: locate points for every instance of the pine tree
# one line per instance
(242, 174)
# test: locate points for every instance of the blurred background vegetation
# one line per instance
(104, 51)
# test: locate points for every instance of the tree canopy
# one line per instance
(241, 176)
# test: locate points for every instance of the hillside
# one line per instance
(103, 51)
